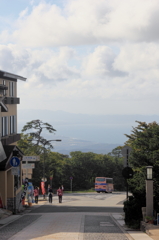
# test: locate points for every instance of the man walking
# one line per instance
(50, 192)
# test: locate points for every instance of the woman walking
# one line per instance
(60, 193)
(36, 194)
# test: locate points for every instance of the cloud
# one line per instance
(137, 57)
(39, 66)
(100, 63)
(88, 22)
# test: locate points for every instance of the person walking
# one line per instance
(36, 194)
(60, 193)
(50, 193)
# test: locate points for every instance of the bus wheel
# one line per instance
(98, 192)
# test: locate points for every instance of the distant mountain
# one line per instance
(85, 132)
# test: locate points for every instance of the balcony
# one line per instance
(3, 87)
(11, 100)
(7, 140)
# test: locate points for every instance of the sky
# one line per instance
(83, 56)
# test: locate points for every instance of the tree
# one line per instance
(36, 136)
(144, 142)
(33, 143)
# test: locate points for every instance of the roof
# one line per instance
(5, 164)
(11, 76)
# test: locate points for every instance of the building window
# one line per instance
(4, 91)
(11, 89)
(13, 124)
(4, 126)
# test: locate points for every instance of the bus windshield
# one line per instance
(100, 179)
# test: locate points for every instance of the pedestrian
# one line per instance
(50, 193)
(60, 193)
(36, 194)
(62, 187)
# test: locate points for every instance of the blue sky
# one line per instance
(94, 57)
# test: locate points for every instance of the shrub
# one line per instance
(133, 213)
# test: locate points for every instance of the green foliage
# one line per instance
(133, 213)
(38, 127)
(144, 142)
(83, 167)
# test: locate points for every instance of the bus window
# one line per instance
(100, 179)
(109, 180)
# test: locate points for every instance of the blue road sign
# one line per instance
(14, 162)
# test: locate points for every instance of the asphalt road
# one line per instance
(87, 216)
(82, 202)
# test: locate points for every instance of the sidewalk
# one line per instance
(137, 235)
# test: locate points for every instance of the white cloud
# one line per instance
(88, 22)
(43, 66)
(88, 56)
(138, 57)
(100, 63)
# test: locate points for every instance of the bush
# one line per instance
(133, 212)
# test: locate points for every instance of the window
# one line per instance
(100, 179)
(4, 126)
(11, 89)
(13, 124)
(109, 180)
(4, 91)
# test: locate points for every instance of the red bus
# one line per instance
(104, 184)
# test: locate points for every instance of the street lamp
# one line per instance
(149, 192)
(149, 172)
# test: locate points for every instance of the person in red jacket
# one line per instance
(36, 194)
(60, 193)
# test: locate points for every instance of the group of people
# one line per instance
(50, 194)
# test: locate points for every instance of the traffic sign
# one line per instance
(14, 162)
(126, 153)
(15, 171)
(126, 150)
(28, 165)
(31, 158)
(127, 172)
(71, 178)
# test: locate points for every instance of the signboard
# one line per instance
(43, 188)
(31, 158)
(15, 171)
(14, 162)
(126, 153)
(127, 172)
(28, 165)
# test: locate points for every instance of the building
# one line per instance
(10, 177)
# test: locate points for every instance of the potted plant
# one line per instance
(149, 219)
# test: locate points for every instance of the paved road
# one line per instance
(80, 216)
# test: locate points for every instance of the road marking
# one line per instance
(106, 224)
